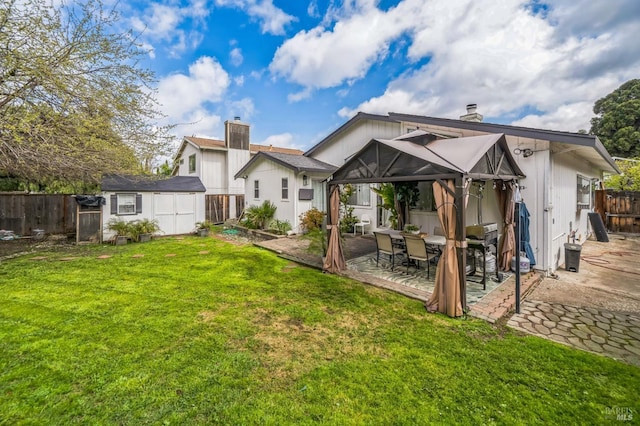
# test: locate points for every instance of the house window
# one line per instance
(361, 195)
(305, 180)
(584, 192)
(192, 163)
(285, 188)
(126, 204)
(256, 189)
(426, 201)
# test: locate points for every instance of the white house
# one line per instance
(292, 182)
(561, 171)
(216, 162)
(177, 203)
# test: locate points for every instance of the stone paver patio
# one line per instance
(612, 334)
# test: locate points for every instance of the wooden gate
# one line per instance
(221, 207)
(620, 210)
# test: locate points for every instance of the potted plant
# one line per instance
(410, 228)
(202, 228)
(121, 229)
(142, 230)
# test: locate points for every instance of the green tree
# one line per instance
(73, 102)
(617, 121)
(628, 179)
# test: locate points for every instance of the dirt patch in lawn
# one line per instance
(287, 344)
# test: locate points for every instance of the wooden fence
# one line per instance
(620, 210)
(220, 207)
(22, 213)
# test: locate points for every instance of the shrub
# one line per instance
(120, 227)
(280, 226)
(312, 219)
(262, 215)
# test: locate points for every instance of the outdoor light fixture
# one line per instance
(525, 152)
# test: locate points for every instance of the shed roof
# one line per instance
(478, 157)
(297, 163)
(152, 184)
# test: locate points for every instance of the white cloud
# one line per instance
(504, 58)
(184, 97)
(283, 140)
(162, 23)
(272, 19)
(236, 56)
(303, 94)
(243, 108)
(569, 117)
(239, 80)
(321, 58)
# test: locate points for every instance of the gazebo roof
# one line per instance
(417, 156)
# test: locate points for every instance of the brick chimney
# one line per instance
(471, 114)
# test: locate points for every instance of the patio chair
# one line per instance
(418, 251)
(364, 221)
(384, 245)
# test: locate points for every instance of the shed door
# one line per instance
(165, 212)
(185, 213)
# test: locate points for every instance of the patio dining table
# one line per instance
(435, 240)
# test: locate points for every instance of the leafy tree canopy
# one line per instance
(73, 102)
(628, 180)
(617, 121)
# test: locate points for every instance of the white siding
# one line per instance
(183, 161)
(353, 139)
(236, 159)
(270, 175)
(566, 217)
(214, 172)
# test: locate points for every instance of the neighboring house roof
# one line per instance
(270, 148)
(152, 184)
(600, 156)
(297, 163)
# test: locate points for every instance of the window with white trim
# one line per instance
(192, 163)
(584, 191)
(256, 189)
(361, 195)
(126, 204)
(285, 188)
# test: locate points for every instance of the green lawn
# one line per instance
(237, 335)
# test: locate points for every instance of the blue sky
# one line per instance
(296, 70)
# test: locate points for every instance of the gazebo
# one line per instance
(451, 164)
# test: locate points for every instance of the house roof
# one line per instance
(589, 145)
(600, 157)
(295, 162)
(205, 143)
(478, 157)
(270, 148)
(152, 183)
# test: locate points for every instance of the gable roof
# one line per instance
(297, 163)
(385, 160)
(152, 183)
(599, 154)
